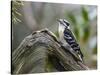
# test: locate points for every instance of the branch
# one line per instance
(43, 43)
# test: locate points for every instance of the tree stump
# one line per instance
(42, 52)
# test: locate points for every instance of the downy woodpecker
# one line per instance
(66, 35)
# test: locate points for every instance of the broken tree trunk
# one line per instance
(42, 52)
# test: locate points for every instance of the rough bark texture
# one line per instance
(42, 52)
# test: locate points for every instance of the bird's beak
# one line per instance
(59, 20)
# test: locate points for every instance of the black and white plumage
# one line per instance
(66, 35)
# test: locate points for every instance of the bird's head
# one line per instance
(64, 23)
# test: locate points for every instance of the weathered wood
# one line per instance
(35, 49)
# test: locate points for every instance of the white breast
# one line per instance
(61, 33)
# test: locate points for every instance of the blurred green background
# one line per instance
(31, 16)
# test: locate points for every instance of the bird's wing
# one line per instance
(69, 36)
(71, 40)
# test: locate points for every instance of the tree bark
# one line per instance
(44, 44)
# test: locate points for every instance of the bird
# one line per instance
(67, 37)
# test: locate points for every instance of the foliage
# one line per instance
(16, 4)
